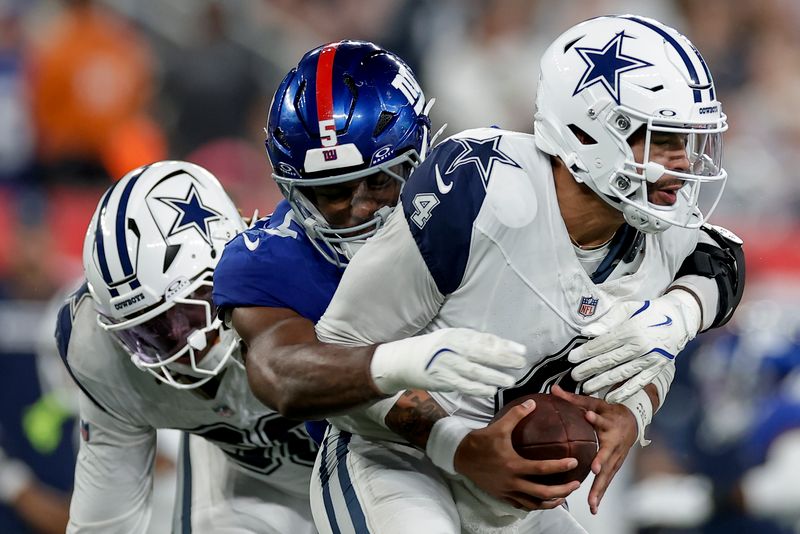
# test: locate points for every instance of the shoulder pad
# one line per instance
(718, 232)
(443, 197)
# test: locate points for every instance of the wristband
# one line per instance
(642, 409)
(446, 435)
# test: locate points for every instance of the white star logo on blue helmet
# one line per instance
(604, 66)
(192, 213)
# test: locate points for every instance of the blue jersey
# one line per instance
(274, 264)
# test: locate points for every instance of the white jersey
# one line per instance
(480, 242)
(121, 408)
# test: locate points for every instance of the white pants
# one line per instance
(377, 487)
(216, 497)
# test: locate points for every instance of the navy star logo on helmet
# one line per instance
(483, 153)
(192, 213)
(604, 66)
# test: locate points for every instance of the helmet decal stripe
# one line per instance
(678, 47)
(325, 83)
(705, 69)
(98, 239)
(122, 246)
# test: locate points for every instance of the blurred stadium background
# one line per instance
(91, 89)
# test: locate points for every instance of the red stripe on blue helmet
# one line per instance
(325, 82)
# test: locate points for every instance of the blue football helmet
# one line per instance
(347, 111)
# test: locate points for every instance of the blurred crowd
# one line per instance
(90, 89)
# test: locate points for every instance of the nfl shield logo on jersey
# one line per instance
(84, 426)
(588, 306)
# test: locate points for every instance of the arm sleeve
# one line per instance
(113, 474)
(386, 293)
(704, 288)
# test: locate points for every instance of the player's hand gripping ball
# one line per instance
(555, 429)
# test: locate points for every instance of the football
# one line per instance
(555, 429)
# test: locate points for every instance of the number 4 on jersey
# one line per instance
(423, 206)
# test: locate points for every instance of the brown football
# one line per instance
(555, 429)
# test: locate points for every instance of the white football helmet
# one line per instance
(149, 257)
(606, 78)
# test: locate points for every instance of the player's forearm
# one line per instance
(46, 510)
(413, 415)
(312, 380)
(652, 392)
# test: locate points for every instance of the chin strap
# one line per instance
(642, 221)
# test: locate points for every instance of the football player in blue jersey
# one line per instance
(346, 127)
(586, 242)
(143, 342)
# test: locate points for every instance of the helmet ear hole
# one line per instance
(583, 137)
(384, 120)
(280, 136)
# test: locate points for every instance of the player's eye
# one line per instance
(334, 193)
(669, 140)
(378, 180)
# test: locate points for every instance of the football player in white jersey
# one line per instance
(585, 242)
(142, 341)
(346, 127)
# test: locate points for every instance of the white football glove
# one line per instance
(451, 359)
(633, 342)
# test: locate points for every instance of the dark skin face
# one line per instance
(353, 203)
(281, 345)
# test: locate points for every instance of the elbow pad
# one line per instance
(722, 261)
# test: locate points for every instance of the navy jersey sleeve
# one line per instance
(64, 325)
(441, 200)
(275, 270)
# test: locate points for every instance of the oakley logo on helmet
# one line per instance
(604, 66)
(381, 154)
(287, 170)
(175, 287)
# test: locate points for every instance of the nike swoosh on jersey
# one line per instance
(440, 185)
(251, 245)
